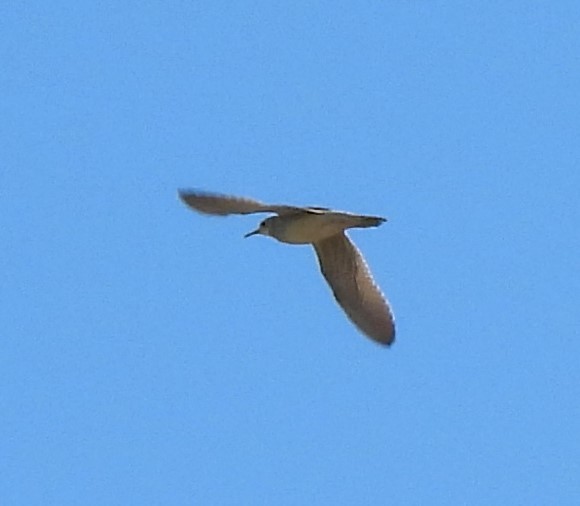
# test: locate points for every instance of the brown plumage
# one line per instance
(341, 263)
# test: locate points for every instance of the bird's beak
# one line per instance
(255, 232)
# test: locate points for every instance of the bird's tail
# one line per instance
(368, 221)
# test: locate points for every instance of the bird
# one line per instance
(340, 261)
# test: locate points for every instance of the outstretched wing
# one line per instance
(223, 205)
(354, 288)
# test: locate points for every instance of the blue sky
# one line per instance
(152, 356)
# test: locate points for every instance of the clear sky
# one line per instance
(150, 355)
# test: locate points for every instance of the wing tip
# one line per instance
(198, 200)
(184, 193)
(385, 341)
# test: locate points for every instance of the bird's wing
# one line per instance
(354, 288)
(222, 205)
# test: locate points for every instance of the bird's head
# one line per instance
(264, 227)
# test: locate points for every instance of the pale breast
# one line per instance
(306, 228)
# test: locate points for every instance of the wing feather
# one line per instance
(354, 289)
(223, 205)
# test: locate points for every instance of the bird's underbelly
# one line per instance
(309, 229)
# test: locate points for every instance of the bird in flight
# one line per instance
(341, 263)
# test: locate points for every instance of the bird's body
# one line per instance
(340, 261)
(309, 228)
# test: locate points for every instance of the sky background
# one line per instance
(150, 355)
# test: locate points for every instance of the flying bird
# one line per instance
(341, 263)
